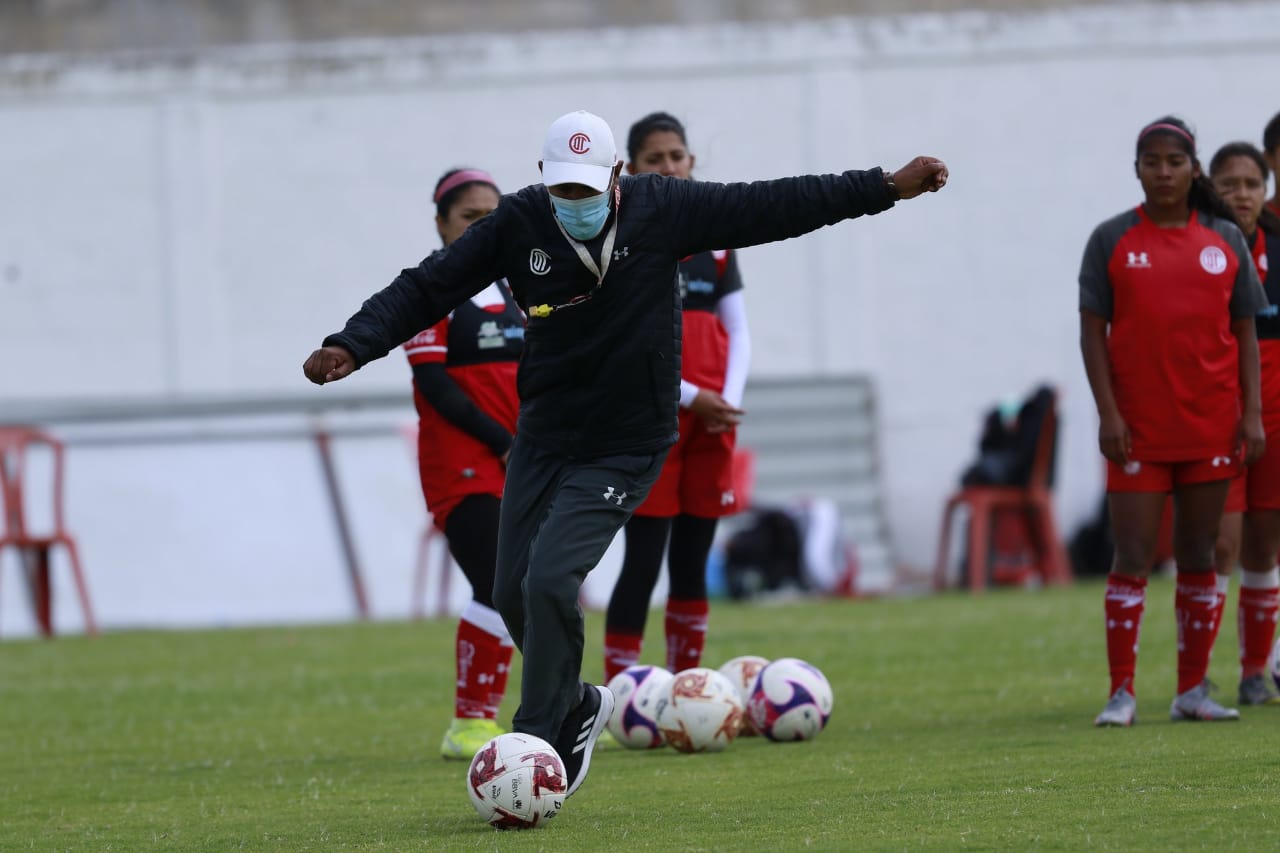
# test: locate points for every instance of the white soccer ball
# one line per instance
(742, 671)
(791, 700)
(637, 691)
(701, 712)
(517, 781)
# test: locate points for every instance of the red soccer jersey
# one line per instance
(1171, 295)
(705, 279)
(1264, 245)
(479, 344)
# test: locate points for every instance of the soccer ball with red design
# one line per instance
(742, 671)
(791, 700)
(517, 781)
(637, 691)
(701, 712)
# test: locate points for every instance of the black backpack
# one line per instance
(764, 556)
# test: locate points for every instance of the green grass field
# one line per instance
(960, 724)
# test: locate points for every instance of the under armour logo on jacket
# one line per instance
(619, 254)
(616, 497)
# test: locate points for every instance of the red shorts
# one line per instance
(697, 478)
(1163, 476)
(448, 479)
(1258, 488)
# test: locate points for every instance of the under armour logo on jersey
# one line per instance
(539, 262)
(616, 497)
(1138, 260)
(619, 254)
(1221, 461)
(726, 498)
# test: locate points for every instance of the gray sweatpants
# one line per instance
(558, 517)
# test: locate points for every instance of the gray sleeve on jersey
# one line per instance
(1248, 299)
(1095, 283)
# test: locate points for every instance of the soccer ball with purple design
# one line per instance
(742, 671)
(517, 781)
(636, 692)
(791, 700)
(701, 711)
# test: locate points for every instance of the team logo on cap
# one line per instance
(539, 262)
(579, 143)
(1214, 260)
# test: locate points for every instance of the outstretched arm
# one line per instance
(419, 297)
(718, 216)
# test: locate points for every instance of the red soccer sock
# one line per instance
(506, 649)
(1194, 605)
(484, 659)
(1258, 609)
(686, 627)
(621, 650)
(1126, 598)
(1222, 584)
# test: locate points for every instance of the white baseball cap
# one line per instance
(579, 149)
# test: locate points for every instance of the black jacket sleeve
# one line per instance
(704, 215)
(453, 404)
(422, 296)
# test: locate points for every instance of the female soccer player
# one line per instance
(591, 258)
(1168, 293)
(696, 485)
(464, 378)
(1250, 529)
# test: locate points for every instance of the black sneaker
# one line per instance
(579, 732)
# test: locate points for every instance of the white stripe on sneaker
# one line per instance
(584, 734)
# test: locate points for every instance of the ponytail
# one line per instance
(1204, 198)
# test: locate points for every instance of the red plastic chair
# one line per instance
(1035, 504)
(35, 549)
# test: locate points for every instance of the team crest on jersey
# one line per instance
(1138, 260)
(539, 262)
(1213, 260)
(489, 336)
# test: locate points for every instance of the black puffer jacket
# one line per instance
(602, 377)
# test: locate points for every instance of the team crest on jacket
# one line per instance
(1213, 259)
(539, 262)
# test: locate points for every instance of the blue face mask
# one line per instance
(583, 218)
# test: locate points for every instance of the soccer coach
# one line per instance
(591, 258)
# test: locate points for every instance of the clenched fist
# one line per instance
(329, 364)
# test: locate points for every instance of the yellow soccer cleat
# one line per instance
(465, 737)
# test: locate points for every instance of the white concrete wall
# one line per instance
(196, 225)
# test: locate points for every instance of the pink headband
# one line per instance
(1166, 126)
(464, 176)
